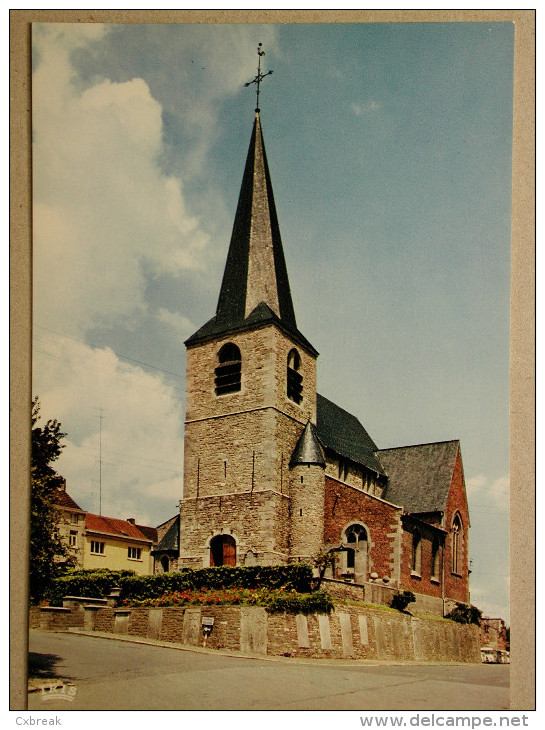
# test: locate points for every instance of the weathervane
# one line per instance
(259, 78)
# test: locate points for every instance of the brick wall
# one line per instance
(345, 505)
(457, 585)
(420, 581)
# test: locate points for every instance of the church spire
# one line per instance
(255, 272)
(255, 289)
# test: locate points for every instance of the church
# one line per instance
(276, 473)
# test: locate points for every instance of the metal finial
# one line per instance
(259, 78)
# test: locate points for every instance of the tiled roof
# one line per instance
(419, 477)
(62, 499)
(149, 532)
(342, 432)
(115, 527)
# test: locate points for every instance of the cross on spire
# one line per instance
(259, 78)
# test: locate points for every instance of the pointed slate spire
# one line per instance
(308, 449)
(256, 270)
(255, 287)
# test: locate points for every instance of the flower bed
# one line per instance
(277, 600)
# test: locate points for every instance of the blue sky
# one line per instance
(390, 153)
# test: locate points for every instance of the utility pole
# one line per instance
(101, 416)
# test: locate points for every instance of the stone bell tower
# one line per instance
(251, 390)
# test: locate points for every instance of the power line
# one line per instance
(98, 347)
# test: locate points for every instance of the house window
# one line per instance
(417, 553)
(135, 553)
(74, 518)
(97, 548)
(435, 558)
(73, 538)
(456, 545)
(229, 369)
(295, 379)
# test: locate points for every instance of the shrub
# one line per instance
(86, 583)
(98, 583)
(465, 614)
(290, 577)
(402, 600)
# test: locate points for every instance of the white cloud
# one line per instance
(365, 108)
(139, 437)
(101, 202)
(486, 491)
(180, 326)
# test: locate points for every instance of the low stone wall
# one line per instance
(356, 632)
(379, 593)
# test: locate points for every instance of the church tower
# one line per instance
(251, 391)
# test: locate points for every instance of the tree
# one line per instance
(45, 544)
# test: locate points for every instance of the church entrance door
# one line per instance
(223, 550)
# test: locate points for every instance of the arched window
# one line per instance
(223, 550)
(165, 563)
(435, 558)
(295, 379)
(355, 534)
(417, 552)
(457, 535)
(228, 371)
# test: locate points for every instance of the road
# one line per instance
(108, 674)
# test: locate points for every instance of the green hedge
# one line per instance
(86, 583)
(98, 583)
(291, 577)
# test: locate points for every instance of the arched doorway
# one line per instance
(165, 563)
(223, 550)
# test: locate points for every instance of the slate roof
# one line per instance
(343, 433)
(114, 527)
(62, 499)
(419, 477)
(307, 449)
(171, 538)
(255, 287)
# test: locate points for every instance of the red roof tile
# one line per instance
(112, 526)
(63, 499)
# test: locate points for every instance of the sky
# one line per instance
(389, 147)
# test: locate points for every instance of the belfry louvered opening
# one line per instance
(295, 379)
(228, 372)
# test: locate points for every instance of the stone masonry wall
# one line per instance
(349, 632)
(257, 521)
(307, 486)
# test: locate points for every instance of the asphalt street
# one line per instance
(96, 673)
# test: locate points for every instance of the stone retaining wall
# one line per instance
(356, 632)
